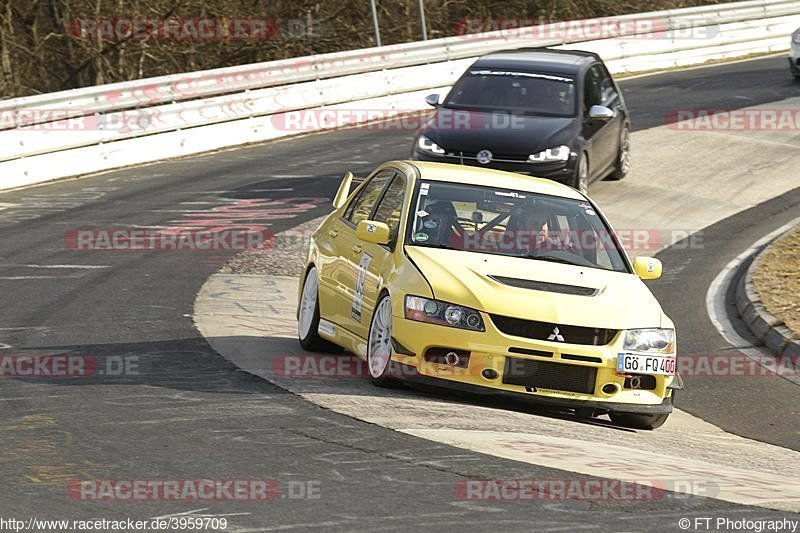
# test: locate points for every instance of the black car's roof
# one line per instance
(537, 59)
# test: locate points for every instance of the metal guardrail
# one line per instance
(387, 76)
(181, 87)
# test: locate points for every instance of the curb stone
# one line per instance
(769, 330)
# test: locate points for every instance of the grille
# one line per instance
(549, 375)
(526, 351)
(545, 286)
(585, 358)
(532, 329)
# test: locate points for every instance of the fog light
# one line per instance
(451, 358)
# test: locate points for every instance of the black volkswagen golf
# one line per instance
(555, 114)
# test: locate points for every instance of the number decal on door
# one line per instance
(361, 281)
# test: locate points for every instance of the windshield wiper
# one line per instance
(551, 259)
(430, 245)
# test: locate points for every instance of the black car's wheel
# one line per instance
(308, 317)
(580, 179)
(623, 164)
(379, 344)
(637, 421)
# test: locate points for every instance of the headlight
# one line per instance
(650, 340)
(551, 155)
(428, 145)
(443, 313)
(796, 37)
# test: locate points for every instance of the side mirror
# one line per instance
(374, 232)
(344, 191)
(600, 112)
(432, 100)
(647, 267)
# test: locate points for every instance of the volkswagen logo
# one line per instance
(484, 156)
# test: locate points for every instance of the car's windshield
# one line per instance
(512, 91)
(481, 219)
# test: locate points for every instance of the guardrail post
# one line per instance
(375, 23)
(422, 25)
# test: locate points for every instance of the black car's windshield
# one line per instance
(512, 91)
(481, 219)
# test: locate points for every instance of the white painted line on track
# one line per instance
(87, 267)
(717, 312)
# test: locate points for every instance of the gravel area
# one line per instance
(284, 255)
(777, 279)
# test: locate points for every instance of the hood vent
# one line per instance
(546, 286)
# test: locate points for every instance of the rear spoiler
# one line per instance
(346, 188)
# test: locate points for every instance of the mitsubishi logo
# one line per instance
(556, 335)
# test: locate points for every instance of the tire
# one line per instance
(637, 421)
(379, 344)
(580, 180)
(308, 317)
(623, 164)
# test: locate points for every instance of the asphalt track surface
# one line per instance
(185, 413)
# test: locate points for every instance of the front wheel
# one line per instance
(623, 156)
(580, 180)
(308, 316)
(379, 344)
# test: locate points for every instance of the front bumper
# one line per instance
(587, 369)
(412, 376)
(561, 172)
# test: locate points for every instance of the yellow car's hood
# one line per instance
(621, 301)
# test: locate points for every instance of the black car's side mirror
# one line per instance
(432, 100)
(600, 112)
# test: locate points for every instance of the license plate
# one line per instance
(646, 364)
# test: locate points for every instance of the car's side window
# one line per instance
(608, 92)
(391, 205)
(361, 206)
(592, 92)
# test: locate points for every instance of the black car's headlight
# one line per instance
(428, 145)
(443, 313)
(551, 155)
(654, 340)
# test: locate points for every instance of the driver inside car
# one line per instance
(526, 227)
(442, 226)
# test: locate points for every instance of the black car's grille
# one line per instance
(544, 331)
(546, 286)
(502, 158)
(549, 375)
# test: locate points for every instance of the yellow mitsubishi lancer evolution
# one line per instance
(490, 282)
